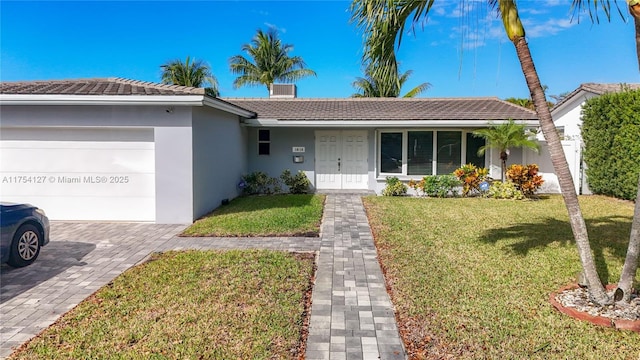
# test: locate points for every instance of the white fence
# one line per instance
(573, 153)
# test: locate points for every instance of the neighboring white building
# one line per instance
(567, 116)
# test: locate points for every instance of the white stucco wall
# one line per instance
(171, 136)
(219, 158)
(174, 175)
(281, 153)
(568, 115)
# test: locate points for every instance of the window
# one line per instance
(391, 153)
(420, 153)
(449, 151)
(426, 152)
(264, 142)
(473, 144)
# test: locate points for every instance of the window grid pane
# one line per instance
(264, 143)
(449, 152)
(473, 144)
(420, 153)
(391, 153)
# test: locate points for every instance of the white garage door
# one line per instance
(80, 174)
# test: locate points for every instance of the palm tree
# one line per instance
(525, 103)
(194, 73)
(371, 86)
(503, 137)
(270, 62)
(383, 23)
(630, 267)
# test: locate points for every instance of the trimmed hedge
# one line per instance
(611, 134)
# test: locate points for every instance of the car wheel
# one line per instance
(25, 246)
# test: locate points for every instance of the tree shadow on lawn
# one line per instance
(611, 233)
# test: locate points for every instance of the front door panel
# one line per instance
(341, 159)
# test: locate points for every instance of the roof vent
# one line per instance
(287, 91)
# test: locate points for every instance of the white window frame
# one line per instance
(405, 139)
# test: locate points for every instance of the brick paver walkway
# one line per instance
(351, 315)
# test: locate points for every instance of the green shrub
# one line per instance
(611, 134)
(394, 187)
(471, 178)
(258, 182)
(525, 178)
(504, 190)
(439, 185)
(298, 184)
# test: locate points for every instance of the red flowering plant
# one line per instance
(471, 178)
(525, 178)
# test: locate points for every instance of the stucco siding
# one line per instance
(124, 153)
(94, 116)
(219, 158)
(282, 141)
(174, 189)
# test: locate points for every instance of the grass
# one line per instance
(189, 305)
(471, 278)
(279, 215)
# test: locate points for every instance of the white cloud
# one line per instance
(280, 30)
(547, 28)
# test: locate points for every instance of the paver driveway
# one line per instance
(351, 316)
(83, 257)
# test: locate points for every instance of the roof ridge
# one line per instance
(190, 89)
(96, 86)
(363, 99)
(596, 88)
(518, 106)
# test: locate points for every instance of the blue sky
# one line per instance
(460, 55)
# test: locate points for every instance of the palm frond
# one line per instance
(269, 62)
(194, 73)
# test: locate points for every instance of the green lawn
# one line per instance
(278, 215)
(189, 305)
(471, 278)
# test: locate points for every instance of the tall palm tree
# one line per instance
(504, 137)
(194, 73)
(383, 22)
(269, 62)
(371, 86)
(631, 263)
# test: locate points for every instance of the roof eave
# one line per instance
(470, 123)
(228, 107)
(162, 100)
(58, 99)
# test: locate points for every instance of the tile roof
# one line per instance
(385, 109)
(98, 86)
(598, 89)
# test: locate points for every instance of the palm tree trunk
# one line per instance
(561, 167)
(633, 252)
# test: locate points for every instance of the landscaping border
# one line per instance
(620, 324)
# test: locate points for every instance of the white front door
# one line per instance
(341, 159)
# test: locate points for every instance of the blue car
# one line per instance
(25, 229)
